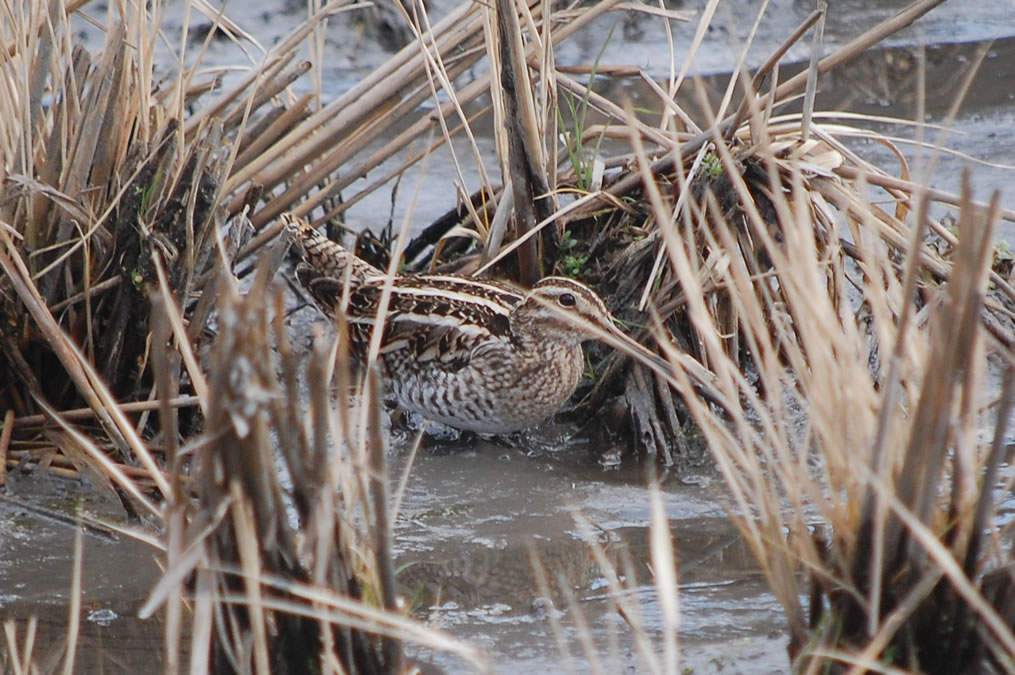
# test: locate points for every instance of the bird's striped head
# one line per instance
(565, 308)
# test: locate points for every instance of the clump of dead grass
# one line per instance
(280, 541)
(853, 461)
(109, 204)
(593, 216)
(864, 476)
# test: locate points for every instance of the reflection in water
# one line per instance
(477, 576)
(471, 520)
(499, 576)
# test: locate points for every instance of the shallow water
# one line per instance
(36, 562)
(474, 512)
(472, 519)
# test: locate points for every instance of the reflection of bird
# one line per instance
(471, 354)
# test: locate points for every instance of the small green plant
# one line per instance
(149, 192)
(137, 278)
(582, 160)
(573, 264)
(711, 166)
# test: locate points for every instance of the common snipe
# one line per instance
(474, 355)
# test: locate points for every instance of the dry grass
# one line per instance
(119, 295)
(282, 533)
(865, 476)
(745, 241)
(853, 465)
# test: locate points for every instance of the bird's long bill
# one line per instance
(622, 342)
(701, 379)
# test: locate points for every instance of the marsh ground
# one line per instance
(471, 506)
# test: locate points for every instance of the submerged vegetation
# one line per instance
(849, 341)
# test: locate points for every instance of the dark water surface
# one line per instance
(475, 512)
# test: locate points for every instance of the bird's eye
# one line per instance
(566, 300)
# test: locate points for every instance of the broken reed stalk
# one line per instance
(5, 444)
(525, 151)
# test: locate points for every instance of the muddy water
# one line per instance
(474, 518)
(475, 512)
(37, 516)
